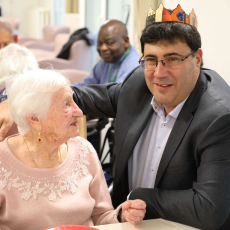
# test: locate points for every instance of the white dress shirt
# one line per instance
(144, 162)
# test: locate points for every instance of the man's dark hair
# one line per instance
(171, 32)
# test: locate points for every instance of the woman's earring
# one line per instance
(39, 137)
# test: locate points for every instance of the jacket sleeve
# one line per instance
(97, 100)
(206, 204)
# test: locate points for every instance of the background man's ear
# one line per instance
(127, 44)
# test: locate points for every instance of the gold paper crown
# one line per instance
(176, 15)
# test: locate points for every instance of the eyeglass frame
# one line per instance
(162, 60)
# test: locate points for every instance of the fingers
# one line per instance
(126, 205)
(134, 217)
(137, 204)
(134, 211)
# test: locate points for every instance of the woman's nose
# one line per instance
(77, 111)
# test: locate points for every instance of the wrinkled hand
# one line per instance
(6, 121)
(133, 211)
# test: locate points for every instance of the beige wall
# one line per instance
(214, 27)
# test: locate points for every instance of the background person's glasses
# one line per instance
(170, 62)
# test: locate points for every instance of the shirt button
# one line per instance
(158, 147)
(152, 170)
(164, 125)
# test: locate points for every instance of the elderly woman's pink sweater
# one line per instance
(74, 193)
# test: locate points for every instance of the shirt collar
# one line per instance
(174, 113)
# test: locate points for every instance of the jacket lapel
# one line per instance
(136, 127)
(181, 125)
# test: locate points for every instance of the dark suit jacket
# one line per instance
(193, 180)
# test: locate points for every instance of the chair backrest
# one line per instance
(74, 75)
(59, 41)
(80, 54)
(50, 32)
(82, 127)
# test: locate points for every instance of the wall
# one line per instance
(17, 9)
(213, 25)
(119, 10)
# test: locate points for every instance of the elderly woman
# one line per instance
(14, 59)
(48, 176)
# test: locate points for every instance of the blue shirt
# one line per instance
(144, 162)
(3, 95)
(100, 71)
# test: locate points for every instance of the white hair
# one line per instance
(30, 94)
(15, 59)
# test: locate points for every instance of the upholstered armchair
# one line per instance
(59, 41)
(79, 58)
(47, 43)
(74, 75)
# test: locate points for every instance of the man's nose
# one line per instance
(160, 69)
(103, 46)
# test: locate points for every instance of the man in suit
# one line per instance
(172, 134)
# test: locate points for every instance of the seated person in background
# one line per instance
(49, 176)
(14, 59)
(6, 34)
(118, 57)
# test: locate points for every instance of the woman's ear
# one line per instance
(34, 122)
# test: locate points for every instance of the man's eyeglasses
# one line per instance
(170, 62)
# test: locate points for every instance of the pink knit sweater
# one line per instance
(74, 193)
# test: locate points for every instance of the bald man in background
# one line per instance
(118, 57)
(6, 34)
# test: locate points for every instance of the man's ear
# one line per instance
(34, 122)
(127, 44)
(199, 55)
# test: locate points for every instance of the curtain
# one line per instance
(138, 14)
(72, 6)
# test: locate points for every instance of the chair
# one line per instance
(49, 34)
(79, 58)
(82, 127)
(15, 22)
(59, 41)
(74, 75)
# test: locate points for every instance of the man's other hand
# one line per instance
(133, 211)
